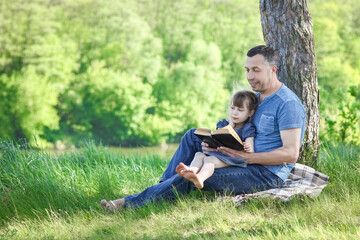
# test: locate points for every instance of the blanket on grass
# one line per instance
(303, 180)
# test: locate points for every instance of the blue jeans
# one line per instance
(235, 180)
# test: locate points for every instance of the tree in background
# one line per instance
(337, 48)
(174, 50)
(287, 27)
(36, 65)
(143, 72)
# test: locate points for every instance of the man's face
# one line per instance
(259, 73)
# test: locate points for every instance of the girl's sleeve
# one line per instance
(222, 123)
(248, 131)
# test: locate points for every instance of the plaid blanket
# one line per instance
(303, 180)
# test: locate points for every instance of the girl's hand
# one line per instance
(248, 147)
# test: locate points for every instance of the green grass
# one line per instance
(47, 196)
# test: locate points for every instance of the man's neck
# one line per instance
(271, 90)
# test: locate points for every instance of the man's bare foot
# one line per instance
(193, 177)
(113, 205)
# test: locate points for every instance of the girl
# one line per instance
(242, 107)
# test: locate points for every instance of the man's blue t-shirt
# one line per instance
(280, 111)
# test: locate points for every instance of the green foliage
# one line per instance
(346, 127)
(112, 107)
(199, 81)
(337, 51)
(123, 72)
(63, 63)
(27, 104)
(36, 66)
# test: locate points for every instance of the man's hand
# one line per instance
(231, 152)
(237, 154)
(288, 153)
(206, 148)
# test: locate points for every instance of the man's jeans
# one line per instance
(234, 180)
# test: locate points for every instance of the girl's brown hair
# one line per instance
(241, 98)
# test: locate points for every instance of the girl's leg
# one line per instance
(206, 171)
(197, 162)
(195, 165)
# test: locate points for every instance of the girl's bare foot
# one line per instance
(193, 177)
(113, 205)
(181, 168)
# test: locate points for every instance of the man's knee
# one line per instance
(190, 131)
(189, 136)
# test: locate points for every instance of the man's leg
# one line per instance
(234, 180)
(189, 145)
(168, 190)
(237, 180)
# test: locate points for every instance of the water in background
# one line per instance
(163, 150)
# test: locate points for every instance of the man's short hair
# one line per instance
(269, 54)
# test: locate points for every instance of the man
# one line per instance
(280, 126)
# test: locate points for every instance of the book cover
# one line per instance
(225, 136)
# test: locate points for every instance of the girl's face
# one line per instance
(239, 115)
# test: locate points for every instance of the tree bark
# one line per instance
(287, 28)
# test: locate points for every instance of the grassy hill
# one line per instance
(47, 196)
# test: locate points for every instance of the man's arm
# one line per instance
(288, 153)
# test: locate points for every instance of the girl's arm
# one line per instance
(249, 145)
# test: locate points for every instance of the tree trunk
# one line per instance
(287, 28)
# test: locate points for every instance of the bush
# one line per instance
(345, 127)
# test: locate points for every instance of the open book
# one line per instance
(225, 136)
